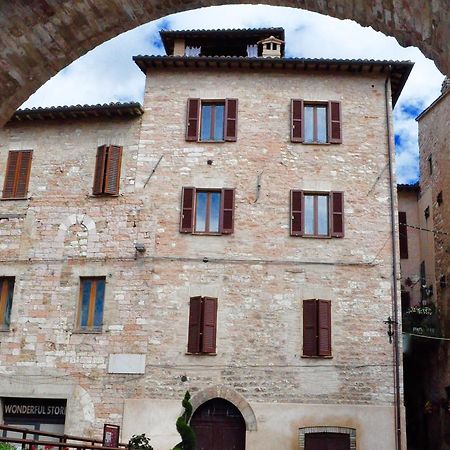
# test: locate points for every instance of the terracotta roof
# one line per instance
(426, 110)
(408, 187)
(400, 70)
(131, 109)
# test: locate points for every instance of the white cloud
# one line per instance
(108, 73)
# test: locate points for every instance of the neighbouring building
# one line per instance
(424, 218)
(232, 237)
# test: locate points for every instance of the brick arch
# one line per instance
(37, 39)
(233, 397)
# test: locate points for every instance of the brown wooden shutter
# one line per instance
(337, 214)
(99, 174)
(297, 207)
(18, 168)
(324, 323)
(403, 234)
(187, 210)
(227, 211)
(192, 119)
(195, 320)
(334, 123)
(112, 170)
(309, 327)
(231, 108)
(296, 120)
(209, 325)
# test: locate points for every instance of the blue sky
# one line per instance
(108, 74)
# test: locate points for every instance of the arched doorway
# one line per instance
(219, 425)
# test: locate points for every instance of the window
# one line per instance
(403, 235)
(430, 164)
(316, 327)
(211, 120)
(107, 170)
(92, 296)
(317, 214)
(439, 198)
(202, 325)
(426, 212)
(18, 168)
(6, 296)
(207, 211)
(316, 122)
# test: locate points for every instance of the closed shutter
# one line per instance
(227, 211)
(231, 107)
(99, 170)
(296, 120)
(192, 119)
(403, 235)
(195, 318)
(334, 123)
(209, 325)
(187, 210)
(324, 323)
(297, 207)
(18, 168)
(337, 214)
(309, 327)
(112, 170)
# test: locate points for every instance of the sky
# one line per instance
(108, 74)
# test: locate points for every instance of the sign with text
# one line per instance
(43, 410)
(111, 435)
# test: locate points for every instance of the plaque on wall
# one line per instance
(111, 435)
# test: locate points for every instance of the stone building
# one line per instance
(233, 237)
(424, 218)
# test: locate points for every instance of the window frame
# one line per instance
(7, 285)
(17, 173)
(212, 102)
(316, 194)
(90, 327)
(315, 105)
(320, 338)
(207, 212)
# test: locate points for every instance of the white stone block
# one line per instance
(126, 363)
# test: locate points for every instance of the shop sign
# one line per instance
(34, 410)
(111, 435)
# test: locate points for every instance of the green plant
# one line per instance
(186, 432)
(6, 446)
(139, 442)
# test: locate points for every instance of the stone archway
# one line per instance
(37, 39)
(233, 397)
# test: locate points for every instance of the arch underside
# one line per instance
(38, 39)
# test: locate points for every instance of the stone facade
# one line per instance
(39, 40)
(259, 274)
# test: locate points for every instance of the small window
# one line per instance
(18, 168)
(426, 212)
(211, 120)
(207, 211)
(403, 234)
(202, 325)
(90, 310)
(316, 327)
(107, 170)
(317, 214)
(439, 198)
(6, 297)
(430, 164)
(316, 122)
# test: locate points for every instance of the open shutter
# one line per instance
(112, 171)
(231, 106)
(324, 319)
(227, 211)
(297, 208)
(209, 325)
(195, 318)
(17, 174)
(334, 123)
(187, 210)
(403, 235)
(296, 120)
(192, 119)
(99, 173)
(337, 214)
(309, 327)
(10, 176)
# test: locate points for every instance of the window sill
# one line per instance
(4, 329)
(310, 236)
(315, 143)
(87, 331)
(211, 142)
(103, 195)
(8, 199)
(199, 233)
(201, 354)
(317, 357)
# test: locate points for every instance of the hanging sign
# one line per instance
(43, 410)
(111, 435)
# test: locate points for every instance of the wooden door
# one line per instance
(327, 441)
(219, 425)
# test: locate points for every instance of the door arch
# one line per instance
(218, 425)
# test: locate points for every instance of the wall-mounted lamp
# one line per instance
(140, 248)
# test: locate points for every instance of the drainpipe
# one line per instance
(396, 356)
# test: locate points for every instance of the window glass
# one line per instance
(99, 297)
(85, 298)
(214, 212)
(309, 124)
(309, 214)
(219, 112)
(91, 303)
(321, 124)
(206, 123)
(200, 212)
(322, 215)
(6, 296)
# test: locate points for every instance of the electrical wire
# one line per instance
(425, 229)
